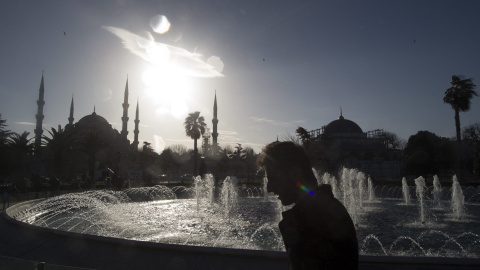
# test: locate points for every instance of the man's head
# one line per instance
(288, 170)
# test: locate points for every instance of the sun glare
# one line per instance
(169, 89)
(168, 83)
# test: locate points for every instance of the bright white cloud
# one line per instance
(25, 123)
(161, 54)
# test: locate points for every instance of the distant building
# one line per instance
(93, 131)
(342, 143)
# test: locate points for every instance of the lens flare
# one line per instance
(160, 24)
(216, 63)
(304, 188)
(159, 145)
(103, 93)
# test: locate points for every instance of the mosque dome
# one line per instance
(93, 120)
(342, 126)
(96, 123)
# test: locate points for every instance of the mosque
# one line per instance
(342, 143)
(107, 147)
(91, 123)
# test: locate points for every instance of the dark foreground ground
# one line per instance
(22, 246)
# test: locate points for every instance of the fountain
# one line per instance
(197, 181)
(210, 187)
(385, 226)
(361, 188)
(406, 192)
(437, 192)
(330, 180)
(371, 191)
(458, 200)
(229, 194)
(350, 188)
(420, 183)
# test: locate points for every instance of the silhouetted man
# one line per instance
(318, 232)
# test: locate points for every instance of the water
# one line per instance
(458, 200)
(385, 226)
(229, 194)
(405, 191)
(437, 192)
(420, 183)
(371, 190)
(330, 180)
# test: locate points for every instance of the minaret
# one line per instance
(215, 122)
(69, 126)
(39, 116)
(136, 131)
(125, 105)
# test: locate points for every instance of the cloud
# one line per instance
(275, 122)
(25, 123)
(229, 137)
(164, 55)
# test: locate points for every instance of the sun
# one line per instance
(169, 89)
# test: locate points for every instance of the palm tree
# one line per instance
(4, 134)
(20, 148)
(459, 96)
(57, 145)
(304, 137)
(194, 128)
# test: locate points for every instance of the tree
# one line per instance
(148, 159)
(168, 164)
(291, 137)
(459, 96)
(194, 128)
(392, 141)
(427, 153)
(57, 145)
(19, 148)
(179, 149)
(304, 137)
(4, 134)
(471, 135)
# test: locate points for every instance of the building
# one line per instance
(95, 144)
(342, 143)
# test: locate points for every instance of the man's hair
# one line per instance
(285, 156)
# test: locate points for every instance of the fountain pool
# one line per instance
(386, 225)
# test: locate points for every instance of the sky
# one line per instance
(274, 65)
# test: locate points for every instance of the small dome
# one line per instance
(342, 125)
